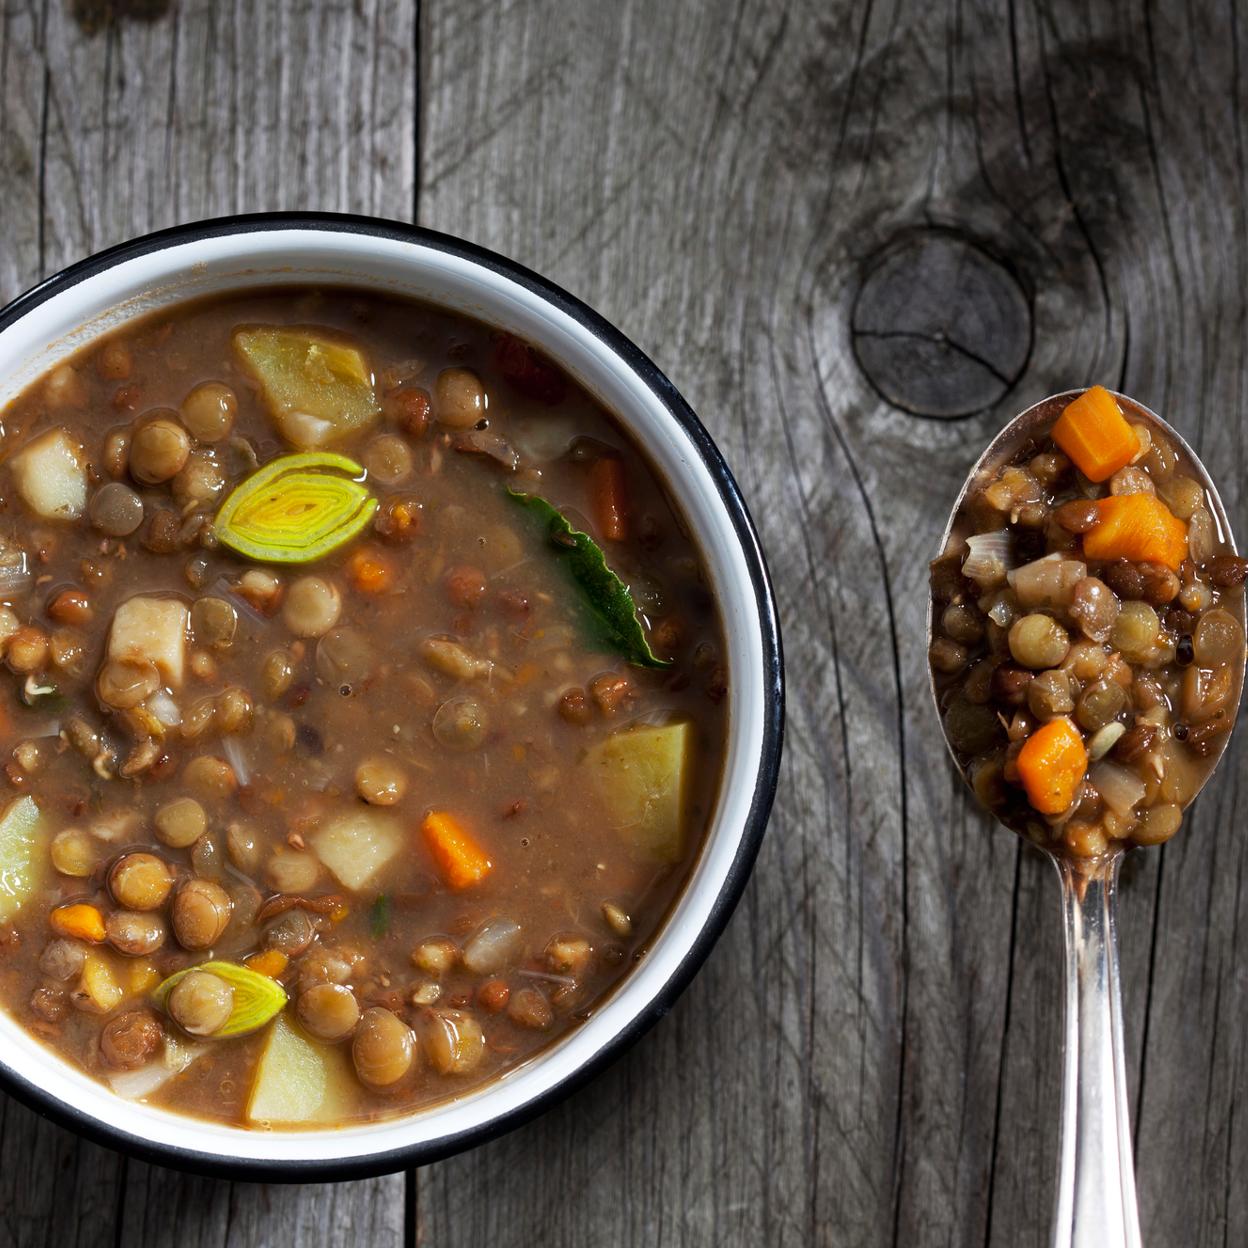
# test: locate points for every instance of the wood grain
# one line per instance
(871, 1055)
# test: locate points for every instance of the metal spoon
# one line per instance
(1096, 1202)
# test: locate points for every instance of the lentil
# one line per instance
(201, 1003)
(384, 1048)
(1038, 641)
(140, 881)
(130, 1039)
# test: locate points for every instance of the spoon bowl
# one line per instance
(1096, 1199)
(1030, 427)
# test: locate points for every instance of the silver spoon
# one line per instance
(1096, 1201)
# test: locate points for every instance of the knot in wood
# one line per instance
(940, 327)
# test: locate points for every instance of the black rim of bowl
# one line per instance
(422, 1152)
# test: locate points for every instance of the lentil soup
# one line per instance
(1088, 634)
(365, 706)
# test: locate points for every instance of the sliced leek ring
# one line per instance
(257, 998)
(296, 509)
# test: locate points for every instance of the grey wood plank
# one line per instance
(222, 108)
(54, 1189)
(110, 127)
(164, 1207)
(23, 105)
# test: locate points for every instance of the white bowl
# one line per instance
(239, 253)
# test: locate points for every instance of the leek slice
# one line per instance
(257, 998)
(296, 509)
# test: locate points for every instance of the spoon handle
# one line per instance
(1096, 1205)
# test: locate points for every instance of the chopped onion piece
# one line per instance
(15, 575)
(1002, 612)
(116, 825)
(489, 442)
(232, 748)
(543, 437)
(493, 946)
(162, 705)
(988, 558)
(1104, 739)
(134, 1085)
(1047, 582)
(223, 589)
(1120, 789)
(549, 977)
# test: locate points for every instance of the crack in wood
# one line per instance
(940, 327)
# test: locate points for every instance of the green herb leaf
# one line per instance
(612, 611)
(379, 917)
(296, 508)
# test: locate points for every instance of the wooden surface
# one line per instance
(857, 235)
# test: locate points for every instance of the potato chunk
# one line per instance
(101, 987)
(153, 629)
(299, 1081)
(21, 838)
(356, 846)
(317, 388)
(51, 475)
(642, 776)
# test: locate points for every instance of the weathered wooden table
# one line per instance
(857, 236)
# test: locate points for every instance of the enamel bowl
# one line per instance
(99, 294)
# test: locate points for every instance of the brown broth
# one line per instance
(477, 570)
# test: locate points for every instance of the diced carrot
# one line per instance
(80, 921)
(459, 858)
(1094, 433)
(272, 962)
(1052, 764)
(606, 478)
(1139, 527)
(370, 571)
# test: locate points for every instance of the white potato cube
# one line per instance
(299, 1081)
(642, 775)
(51, 475)
(319, 390)
(153, 629)
(357, 845)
